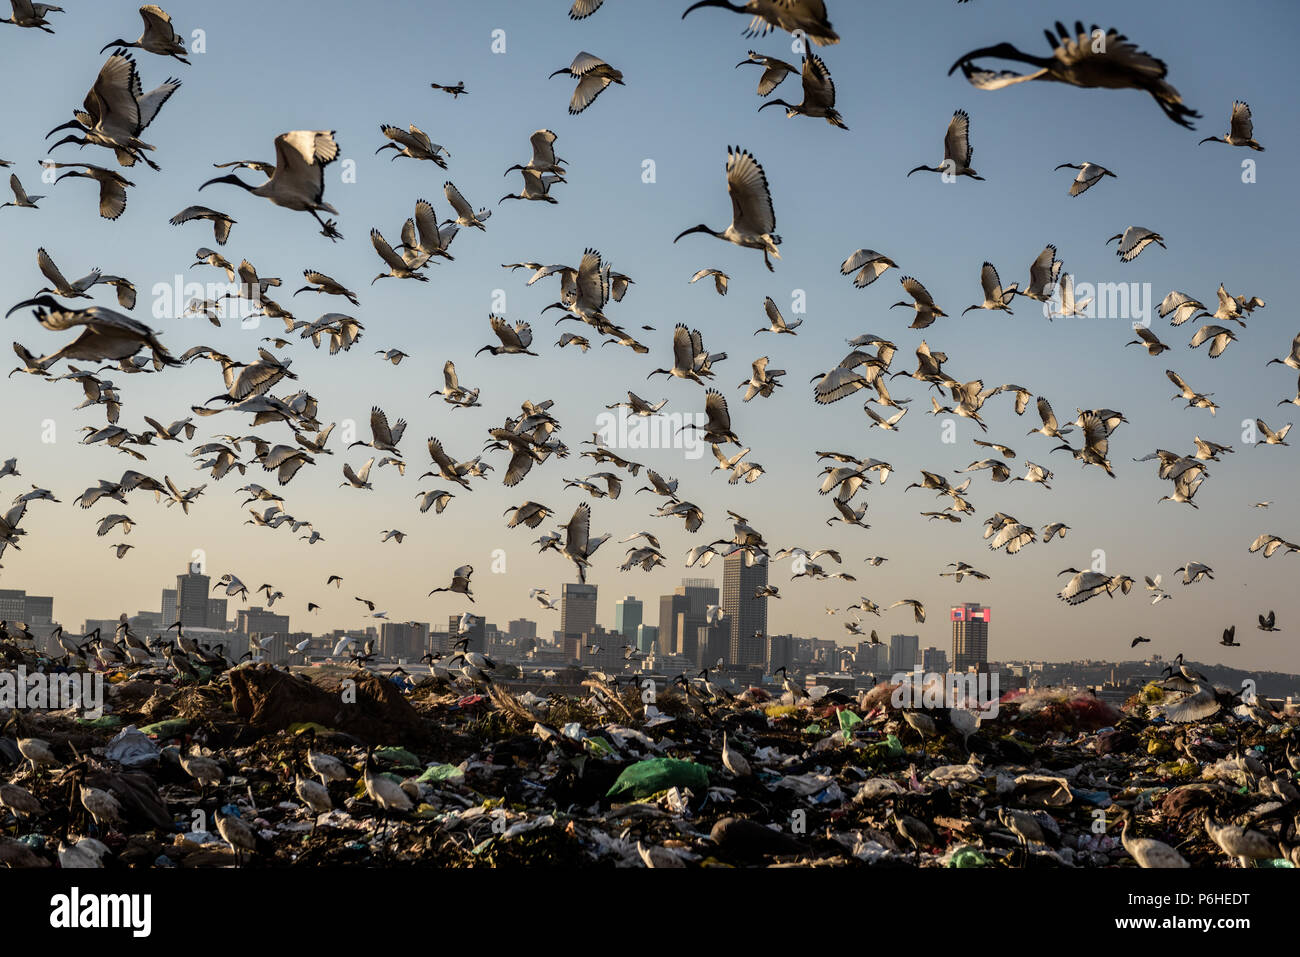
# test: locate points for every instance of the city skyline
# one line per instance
(1020, 135)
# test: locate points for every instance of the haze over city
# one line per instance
(833, 192)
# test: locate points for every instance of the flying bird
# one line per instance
(1085, 58)
(593, 75)
(298, 180)
(957, 151)
(753, 219)
(1241, 129)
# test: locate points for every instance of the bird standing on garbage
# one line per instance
(236, 833)
(733, 760)
(1147, 851)
(1243, 844)
(314, 794)
(325, 766)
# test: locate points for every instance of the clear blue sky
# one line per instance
(275, 67)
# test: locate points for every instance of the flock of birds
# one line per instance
(111, 345)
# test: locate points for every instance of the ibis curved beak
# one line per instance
(25, 302)
(713, 3)
(1002, 50)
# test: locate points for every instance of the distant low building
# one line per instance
(934, 661)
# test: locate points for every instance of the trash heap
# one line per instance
(227, 771)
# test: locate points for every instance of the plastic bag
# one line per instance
(653, 775)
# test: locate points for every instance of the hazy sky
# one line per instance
(270, 68)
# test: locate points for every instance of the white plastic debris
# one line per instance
(132, 748)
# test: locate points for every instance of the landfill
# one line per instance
(260, 767)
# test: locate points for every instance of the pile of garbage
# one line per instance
(259, 767)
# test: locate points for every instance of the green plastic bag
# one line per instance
(440, 772)
(167, 729)
(103, 721)
(967, 857)
(397, 756)
(848, 720)
(653, 775)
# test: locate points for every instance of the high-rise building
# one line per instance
(699, 593)
(192, 598)
(577, 609)
(627, 617)
(216, 614)
(16, 605)
(255, 621)
(403, 639)
(904, 652)
(671, 608)
(779, 652)
(647, 636)
(276, 651)
(934, 661)
(521, 629)
(475, 631)
(168, 606)
(970, 637)
(597, 648)
(13, 604)
(712, 644)
(746, 614)
(38, 610)
(873, 658)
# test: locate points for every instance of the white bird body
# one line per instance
(753, 219)
(298, 181)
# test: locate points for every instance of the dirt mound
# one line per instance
(366, 705)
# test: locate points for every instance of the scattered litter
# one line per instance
(489, 779)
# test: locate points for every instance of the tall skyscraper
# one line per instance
(712, 644)
(671, 608)
(646, 638)
(970, 637)
(192, 598)
(577, 609)
(699, 593)
(216, 614)
(168, 606)
(627, 617)
(746, 614)
(904, 652)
